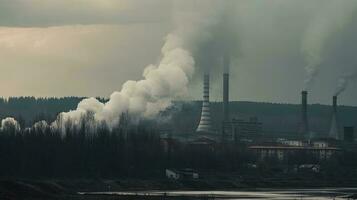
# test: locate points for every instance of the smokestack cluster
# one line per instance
(205, 122)
(226, 63)
(304, 126)
(334, 125)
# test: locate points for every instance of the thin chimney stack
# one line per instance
(334, 125)
(226, 63)
(304, 127)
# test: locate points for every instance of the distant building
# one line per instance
(203, 143)
(238, 128)
(288, 149)
(181, 174)
(296, 143)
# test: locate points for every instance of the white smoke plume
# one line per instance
(161, 83)
(40, 126)
(334, 15)
(10, 124)
(145, 98)
(343, 82)
(167, 80)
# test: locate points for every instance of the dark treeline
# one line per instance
(185, 115)
(28, 110)
(135, 153)
(138, 152)
(47, 153)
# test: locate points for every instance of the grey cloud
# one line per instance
(39, 13)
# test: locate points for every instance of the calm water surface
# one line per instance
(314, 194)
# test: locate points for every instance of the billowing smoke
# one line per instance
(343, 82)
(161, 83)
(9, 124)
(145, 98)
(40, 126)
(332, 17)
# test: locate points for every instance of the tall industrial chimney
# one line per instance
(205, 122)
(304, 126)
(334, 125)
(226, 63)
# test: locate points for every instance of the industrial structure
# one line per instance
(226, 64)
(205, 125)
(243, 129)
(239, 129)
(320, 150)
(227, 133)
(334, 124)
(304, 124)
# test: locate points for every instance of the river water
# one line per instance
(276, 194)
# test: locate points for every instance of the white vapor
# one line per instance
(144, 98)
(10, 124)
(333, 16)
(343, 82)
(40, 126)
(161, 83)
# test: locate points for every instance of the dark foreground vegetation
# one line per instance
(139, 152)
(49, 163)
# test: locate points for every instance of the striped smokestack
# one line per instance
(334, 125)
(205, 122)
(304, 127)
(226, 63)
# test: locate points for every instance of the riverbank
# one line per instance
(69, 189)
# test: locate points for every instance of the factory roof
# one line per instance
(282, 147)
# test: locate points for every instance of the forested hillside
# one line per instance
(184, 116)
(28, 110)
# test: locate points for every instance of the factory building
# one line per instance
(320, 150)
(238, 128)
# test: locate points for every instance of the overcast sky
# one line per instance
(91, 47)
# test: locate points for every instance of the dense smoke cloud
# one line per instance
(162, 83)
(145, 98)
(331, 18)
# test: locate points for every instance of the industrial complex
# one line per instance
(248, 131)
